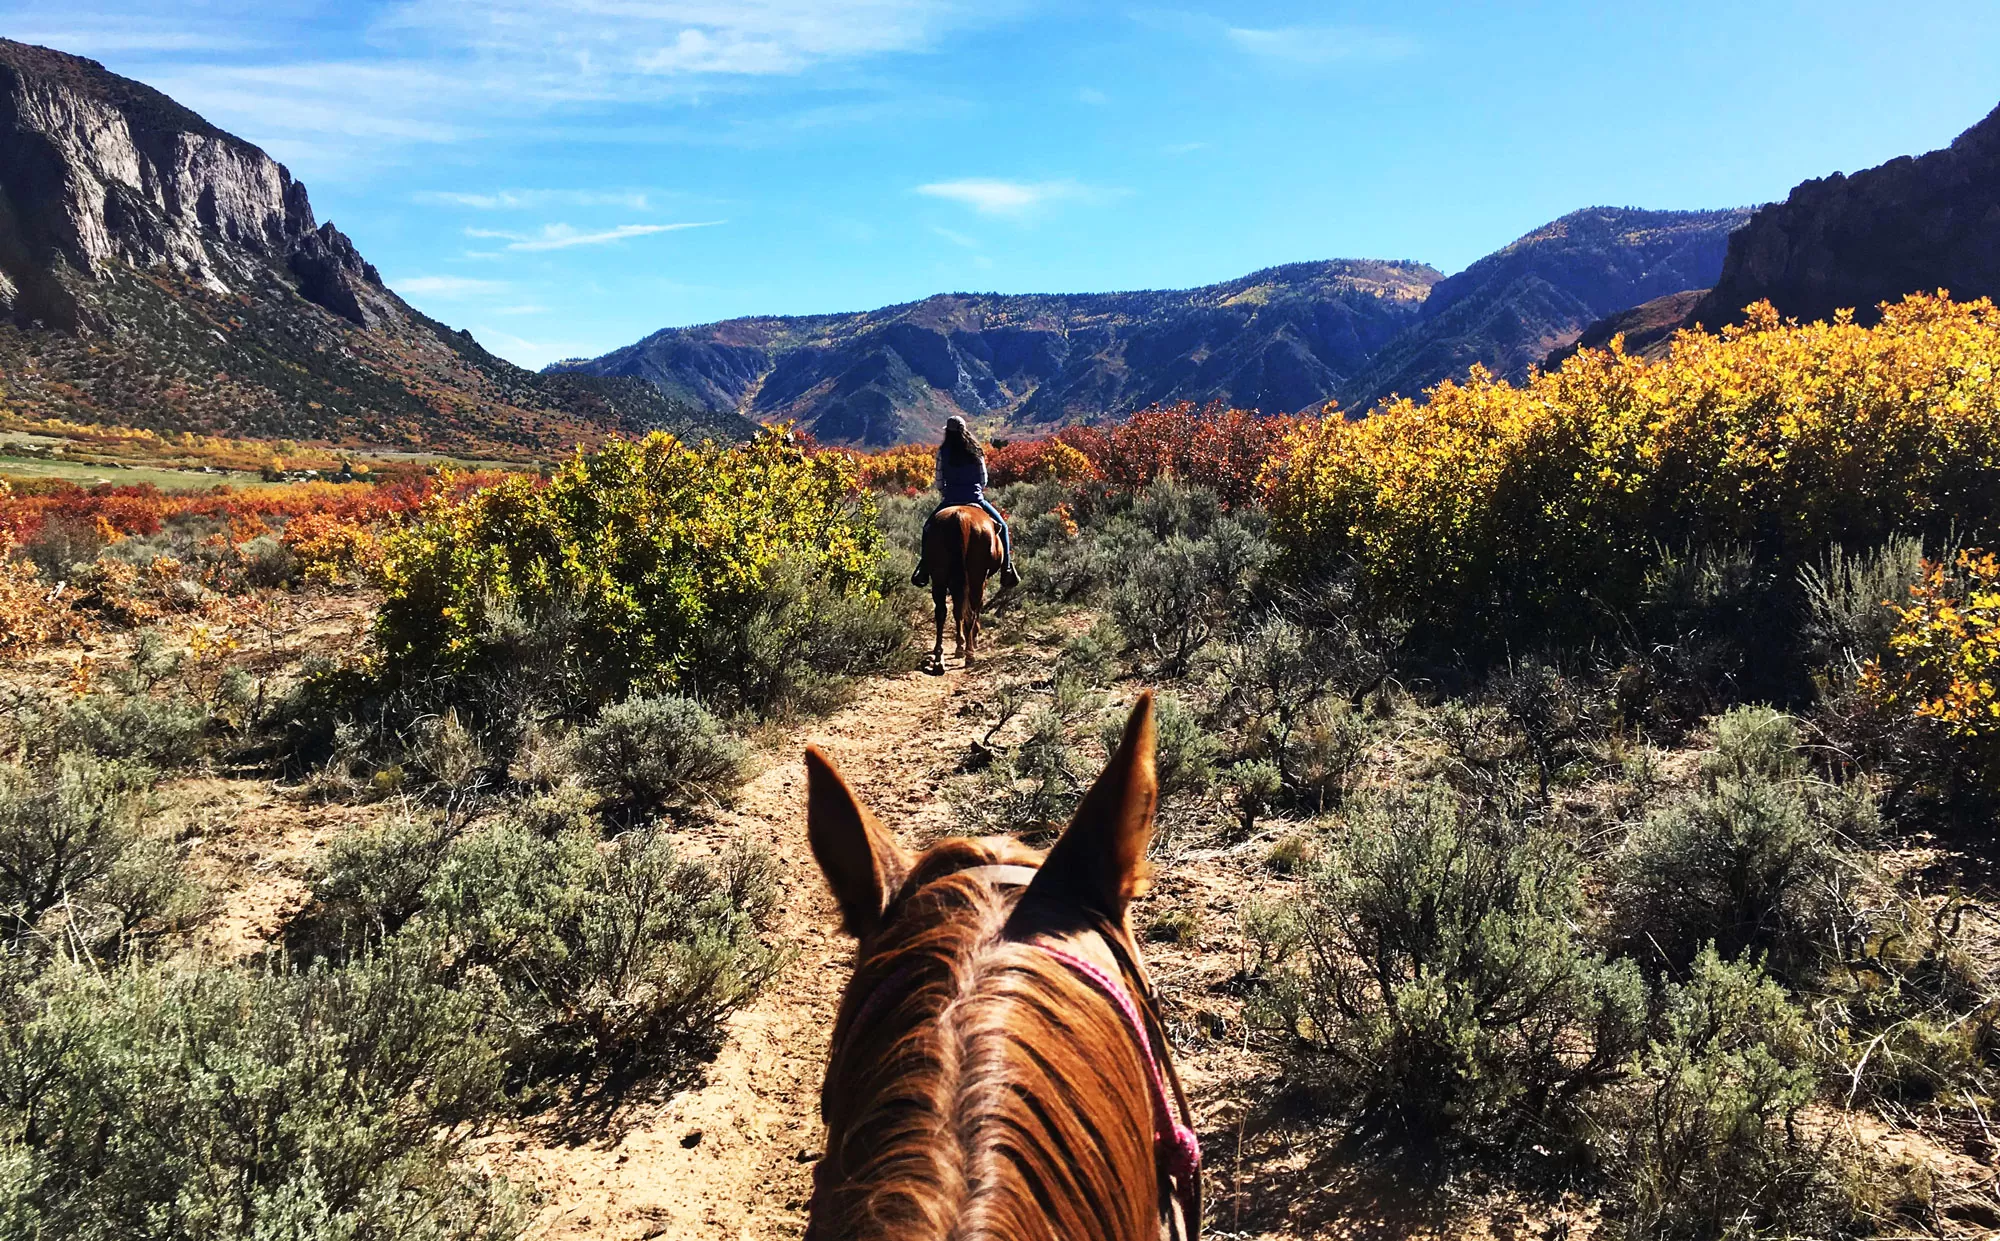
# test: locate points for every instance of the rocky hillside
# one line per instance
(1285, 338)
(1856, 241)
(1509, 309)
(158, 272)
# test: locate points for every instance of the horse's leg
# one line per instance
(959, 610)
(975, 597)
(938, 606)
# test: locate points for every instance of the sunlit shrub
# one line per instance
(73, 862)
(182, 1103)
(601, 962)
(625, 556)
(1439, 988)
(1753, 859)
(649, 752)
(330, 547)
(1935, 684)
(1703, 1143)
(1546, 503)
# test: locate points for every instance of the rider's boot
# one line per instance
(922, 576)
(1010, 577)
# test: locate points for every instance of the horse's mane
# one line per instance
(978, 1088)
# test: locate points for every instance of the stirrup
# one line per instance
(921, 577)
(1010, 577)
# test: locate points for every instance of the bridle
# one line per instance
(1176, 1150)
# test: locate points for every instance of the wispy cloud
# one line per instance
(1015, 199)
(1319, 45)
(1092, 96)
(520, 200)
(1183, 148)
(955, 238)
(453, 71)
(126, 37)
(447, 287)
(565, 236)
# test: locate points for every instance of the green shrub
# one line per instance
(608, 575)
(1180, 924)
(1272, 685)
(369, 882)
(798, 644)
(1440, 988)
(1753, 859)
(1092, 656)
(1292, 853)
(71, 849)
(1184, 755)
(1703, 1143)
(1255, 784)
(652, 752)
(1848, 619)
(239, 1103)
(1909, 1008)
(164, 732)
(1549, 714)
(1173, 594)
(602, 963)
(1030, 788)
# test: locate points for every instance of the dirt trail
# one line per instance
(732, 1158)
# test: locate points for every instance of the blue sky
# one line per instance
(565, 176)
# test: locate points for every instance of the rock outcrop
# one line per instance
(156, 271)
(1910, 225)
(97, 170)
(1647, 327)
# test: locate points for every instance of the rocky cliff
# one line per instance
(1912, 224)
(156, 271)
(1285, 338)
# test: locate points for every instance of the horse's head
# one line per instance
(998, 1068)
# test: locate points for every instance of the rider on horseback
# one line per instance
(961, 479)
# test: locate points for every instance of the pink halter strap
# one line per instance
(1178, 1144)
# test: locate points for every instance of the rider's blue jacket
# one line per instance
(960, 483)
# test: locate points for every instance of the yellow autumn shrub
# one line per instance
(624, 561)
(1944, 655)
(1547, 499)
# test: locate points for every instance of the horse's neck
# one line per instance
(1024, 1111)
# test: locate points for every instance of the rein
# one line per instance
(1176, 1149)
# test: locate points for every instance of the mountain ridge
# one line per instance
(1285, 338)
(1036, 360)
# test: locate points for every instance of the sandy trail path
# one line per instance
(732, 1157)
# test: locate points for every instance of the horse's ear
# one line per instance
(860, 859)
(1100, 862)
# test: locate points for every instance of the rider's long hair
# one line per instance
(959, 446)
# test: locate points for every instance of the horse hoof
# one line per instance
(935, 667)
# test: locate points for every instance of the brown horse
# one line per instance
(998, 1068)
(962, 549)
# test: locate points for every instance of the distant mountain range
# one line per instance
(158, 272)
(1281, 340)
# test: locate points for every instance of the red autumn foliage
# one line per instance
(1211, 445)
(144, 509)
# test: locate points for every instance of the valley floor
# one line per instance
(730, 1156)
